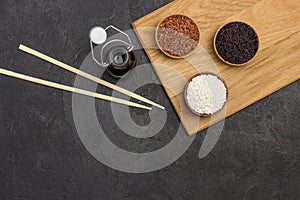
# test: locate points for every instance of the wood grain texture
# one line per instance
(275, 66)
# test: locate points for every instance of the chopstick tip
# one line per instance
(21, 46)
(161, 107)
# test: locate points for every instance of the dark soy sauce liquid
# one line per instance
(121, 61)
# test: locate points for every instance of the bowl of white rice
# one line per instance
(205, 94)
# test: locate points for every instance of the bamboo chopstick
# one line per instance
(88, 76)
(71, 89)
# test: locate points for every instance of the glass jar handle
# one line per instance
(101, 62)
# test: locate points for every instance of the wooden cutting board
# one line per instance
(277, 64)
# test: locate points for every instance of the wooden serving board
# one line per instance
(276, 65)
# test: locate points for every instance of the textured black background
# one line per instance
(41, 156)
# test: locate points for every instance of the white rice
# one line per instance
(206, 94)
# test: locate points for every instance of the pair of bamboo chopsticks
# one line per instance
(77, 90)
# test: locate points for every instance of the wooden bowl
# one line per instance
(185, 94)
(221, 58)
(167, 53)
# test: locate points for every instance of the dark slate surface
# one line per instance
(256, 157)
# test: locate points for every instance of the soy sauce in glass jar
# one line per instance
(120, 61)
(115, 54)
